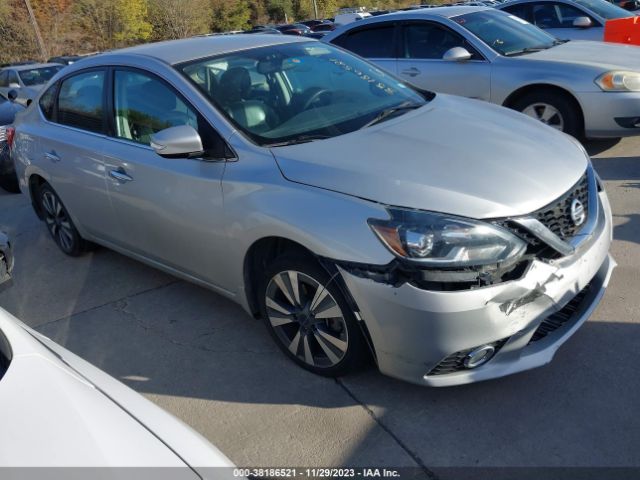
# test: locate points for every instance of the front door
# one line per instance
(169, 209)
(420, 61)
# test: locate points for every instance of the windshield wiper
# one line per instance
(527, 50)
(297, 140)
(387, 112)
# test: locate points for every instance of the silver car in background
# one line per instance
(27, 80)
(587, 89)
(449, 239)
(568, 19)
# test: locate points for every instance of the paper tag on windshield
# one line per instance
(518, 19)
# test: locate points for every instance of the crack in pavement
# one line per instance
(414, 456)
(106, 304)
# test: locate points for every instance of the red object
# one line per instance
(623, 30)
(10, 134)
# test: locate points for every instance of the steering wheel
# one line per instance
(315, 97)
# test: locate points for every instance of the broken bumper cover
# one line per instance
(412, 330)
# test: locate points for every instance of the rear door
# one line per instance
(70, 145)
(376, 42)
(422, 46)
(169, 209)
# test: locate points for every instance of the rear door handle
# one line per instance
(52, 156)
(412, 72)
(120, 176)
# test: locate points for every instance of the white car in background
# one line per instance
(56, 410)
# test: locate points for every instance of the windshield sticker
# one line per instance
(363, 76)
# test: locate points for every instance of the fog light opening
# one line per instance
(479, 356)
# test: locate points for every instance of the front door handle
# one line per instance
(52, 156)
(412, 72)
(120, 176)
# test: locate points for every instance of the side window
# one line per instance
(4, 78)
(430, 41)
(556, 15)
(47, 102)
(374, 42)
(13, 77)
(521, 10)
(80, 101)
(145, 105)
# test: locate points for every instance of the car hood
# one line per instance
(57, 410)
(601, 55)
(453, 155)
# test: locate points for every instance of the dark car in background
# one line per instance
(66, 59)
(294, 29)
(8, 110)
(324, 27)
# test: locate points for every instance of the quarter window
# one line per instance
(377, 42)
(80, 101)
(47, 102)
(4, 78)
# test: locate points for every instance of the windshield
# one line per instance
(505, 33)
(300, 91)
(38, 76)
(605, 9)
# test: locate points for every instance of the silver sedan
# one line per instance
(450, 240)
(579, 87)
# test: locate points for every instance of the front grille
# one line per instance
(557, 320)
(557, 215)
(455, 361)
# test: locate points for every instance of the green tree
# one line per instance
(230, 15)
(280, 10)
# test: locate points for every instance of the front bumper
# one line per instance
(610, 114)
(413, 330)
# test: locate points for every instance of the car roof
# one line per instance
(31, 66)
(179, 51)
(447, 12)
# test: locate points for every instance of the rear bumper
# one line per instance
(414, 330)
(611, 114)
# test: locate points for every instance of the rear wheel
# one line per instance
(309, 318)
(551, 108)
(59, 222)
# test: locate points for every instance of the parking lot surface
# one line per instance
(203, 359)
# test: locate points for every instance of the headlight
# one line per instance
(619, 81)
(437, 240)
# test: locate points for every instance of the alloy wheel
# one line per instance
(307, 319)
(547, 114)
(58, 221)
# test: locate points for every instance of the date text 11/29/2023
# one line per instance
(278, 473)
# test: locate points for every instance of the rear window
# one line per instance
(375, 42)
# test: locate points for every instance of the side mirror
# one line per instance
(12, 95)
(14, 85)
(182, 141)
(6, 262)
(456, 54)
(582, 22)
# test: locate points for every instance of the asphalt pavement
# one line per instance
(202, 358)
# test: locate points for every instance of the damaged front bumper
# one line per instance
(413, 330)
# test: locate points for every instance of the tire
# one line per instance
(331, 345)
(59, 223)
(555, 109)
(9, 182)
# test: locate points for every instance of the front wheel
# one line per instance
(553, 109)
(309, 318)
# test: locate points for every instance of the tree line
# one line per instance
(85, 26)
